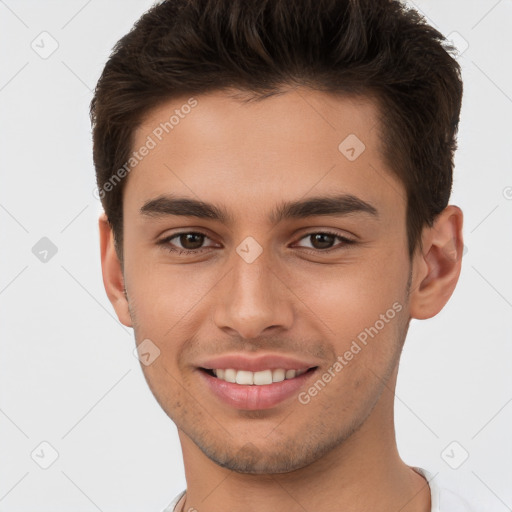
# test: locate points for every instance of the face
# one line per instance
(266, 231)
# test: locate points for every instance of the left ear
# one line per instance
(437, 264)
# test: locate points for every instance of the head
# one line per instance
(261, 123)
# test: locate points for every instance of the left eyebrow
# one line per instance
(338, 205)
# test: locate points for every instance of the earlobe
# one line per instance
(113, 278)
(437, 265)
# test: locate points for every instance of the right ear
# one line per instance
(113, 278)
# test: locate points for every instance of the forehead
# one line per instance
(219, 148)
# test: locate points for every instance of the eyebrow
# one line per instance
(338, 205)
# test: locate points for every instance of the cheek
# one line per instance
(163, 296)
(359, 310)
(352, 295)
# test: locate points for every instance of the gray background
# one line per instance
(67, 370)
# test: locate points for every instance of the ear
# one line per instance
(113, 278)
(437, 264)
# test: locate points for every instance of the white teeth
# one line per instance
(243, 377)
(230, 375)
(278, 375)
(261, 378)
(290, 374)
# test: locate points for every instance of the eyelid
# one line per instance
(344, 239)
(166, 240)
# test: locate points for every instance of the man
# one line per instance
(275, 177)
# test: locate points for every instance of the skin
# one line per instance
(294, 299)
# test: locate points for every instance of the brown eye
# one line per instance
(322, 240)
(187, 242)
(191, 241)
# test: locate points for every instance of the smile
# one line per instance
(255, 390)
(261, 378)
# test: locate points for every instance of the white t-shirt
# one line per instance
(443, 500)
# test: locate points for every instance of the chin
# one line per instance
(250, 459)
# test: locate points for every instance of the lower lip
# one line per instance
(254, 397)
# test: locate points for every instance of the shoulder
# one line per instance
(444, 499)
(173, 503)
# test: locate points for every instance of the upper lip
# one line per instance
(256, 363)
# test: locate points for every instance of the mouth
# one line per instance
(246, 390)
(260, 378)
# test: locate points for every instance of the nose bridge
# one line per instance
(252, 297)
(251, 279)
(251, 284)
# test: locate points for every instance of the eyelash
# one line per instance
(165, 243)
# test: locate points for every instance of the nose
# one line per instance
(253, 299)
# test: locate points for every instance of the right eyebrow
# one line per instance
(166, 205)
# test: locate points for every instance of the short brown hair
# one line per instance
(378, 48)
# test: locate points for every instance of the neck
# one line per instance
(363, 473)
